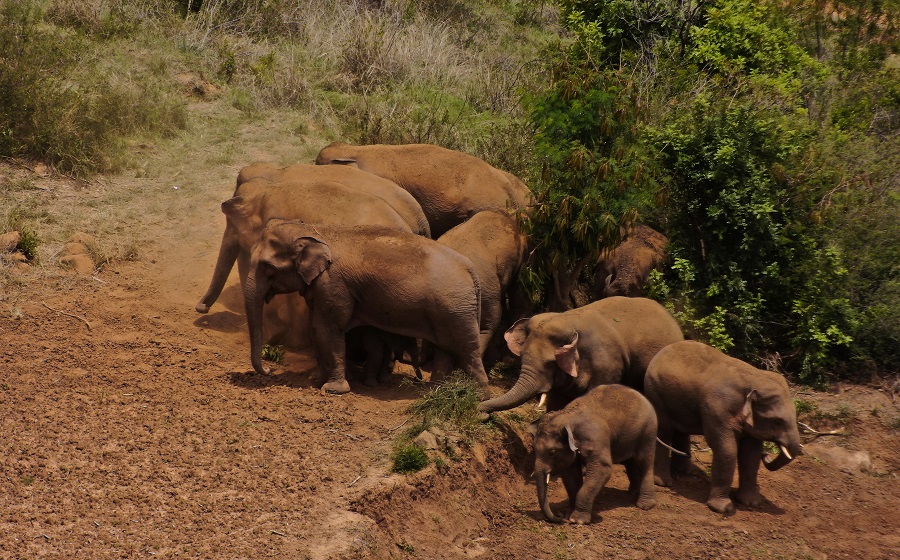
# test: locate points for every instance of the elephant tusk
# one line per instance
(786, 452)
(548, 478)
(543, 402)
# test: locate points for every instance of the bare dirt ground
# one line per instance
(130, 428)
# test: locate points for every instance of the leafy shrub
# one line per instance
(28, 244)
(273, 353)
(408, 458)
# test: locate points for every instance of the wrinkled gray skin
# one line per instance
(450, 186)
(366, 275)
(399, 199)
(697, 389)
(611, 424)
(492, 241)
(566, 354)
(258, 200)
(625, 270)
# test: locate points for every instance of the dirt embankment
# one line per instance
(130, 428)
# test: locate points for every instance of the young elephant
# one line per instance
(366, 275)
(450, 186)
(624, 270)
(697, 389)
(611, 424)
(566, 354)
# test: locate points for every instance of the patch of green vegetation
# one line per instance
(452, 404)
(804, 406)
(408, 458)
(28, 244)
(273, 353)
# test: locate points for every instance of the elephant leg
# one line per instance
(725, 449)
(597, 470)
(750, 452)
(640, 475)
(681, 464)
(572, 478)
(228, 252)
(375, 355)
(441, 365)
(330, 344)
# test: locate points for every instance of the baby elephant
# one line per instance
(611, 424)
(697, 389)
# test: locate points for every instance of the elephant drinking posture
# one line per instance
(697, 389)
(611, 424)
(366, 275)
(566, 354)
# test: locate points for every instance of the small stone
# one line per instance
(9, 241)
(840, 458)
(41, 169)
(82, 264)
(426, 440)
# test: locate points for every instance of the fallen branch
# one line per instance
(355, 480)
(400, 426)
(838, 432)
(280, 534)
(82, 319)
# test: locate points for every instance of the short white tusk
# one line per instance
(548, 478)
(786, 453)
(543, 401)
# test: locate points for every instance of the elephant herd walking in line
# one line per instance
(418, 242)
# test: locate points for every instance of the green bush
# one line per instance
(408, 458)
(453, 403)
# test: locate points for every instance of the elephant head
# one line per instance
(768, 414)
(555, 449)
(548, 351)
(337, 153)
(287, 258)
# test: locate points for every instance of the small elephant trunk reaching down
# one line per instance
(541, 480)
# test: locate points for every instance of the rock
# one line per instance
(426, 440)
(840, 458)
(9, 241)
(82, 264)
(75, 249)
(41, 169)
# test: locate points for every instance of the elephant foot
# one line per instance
(721, 505)
(201, 308)
(750, 498)
(664, 481)
(579, 517)
(646, 503)
(338, 387)
(369, 382)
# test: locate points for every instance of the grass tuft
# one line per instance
(409, 458)
(273, 353)
(28, 244)
(453, 404)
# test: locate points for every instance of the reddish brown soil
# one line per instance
(129, 428)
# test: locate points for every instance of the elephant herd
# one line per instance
(389, 245)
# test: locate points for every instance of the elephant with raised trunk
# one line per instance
(611, 424)
(366, 275)
(450, 186)
(566, 354)
(697, 389)
(257, 201)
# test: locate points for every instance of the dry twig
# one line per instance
(355, 480)
(82, 319)
(838, 432)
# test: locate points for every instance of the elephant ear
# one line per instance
(571, 437)
(745, 417)
(312, 257)
(236, 206)
(515, 336)
(567, 357)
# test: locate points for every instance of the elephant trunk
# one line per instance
(253, 304)
(541, 480)
(526, 387)
(784, 457)
(228, 253)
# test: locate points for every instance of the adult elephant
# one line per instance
(366, 275)
(450, 186)
(257, 201)
(491, 239)
(697, 389)
(399, 199)
(624, 270)
(566, 354)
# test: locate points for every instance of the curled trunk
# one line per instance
(540, 480)
(782, 459)
(525, 388)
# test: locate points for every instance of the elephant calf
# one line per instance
(611, 424)
(697, 389)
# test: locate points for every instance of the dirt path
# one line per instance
(129, 428)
